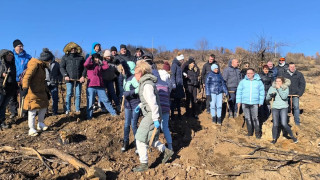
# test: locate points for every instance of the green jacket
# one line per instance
(281, 98)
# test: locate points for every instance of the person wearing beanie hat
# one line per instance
(21, 60)
(206, 69)
(114, 51)
(191, 84)
(107, 53)
(180, 57)
(215, 87)
(282, 67)
(177, 92)
(74, 74)
(35, 92)
(166, 66)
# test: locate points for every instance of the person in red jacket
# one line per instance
(94, 66)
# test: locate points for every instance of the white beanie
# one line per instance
(106, 53)
(180, 57)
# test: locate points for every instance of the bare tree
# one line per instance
(202, 45)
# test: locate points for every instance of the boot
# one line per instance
(249, 128)
(214, 119)
(273, 141)
(295, 140)
(142, 167)
(125, 146)
(170, 146)
(167, 154)
(219, 120)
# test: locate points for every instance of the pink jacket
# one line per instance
(94, 72)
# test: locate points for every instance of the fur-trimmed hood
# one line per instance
(70, 46)
(285, 85)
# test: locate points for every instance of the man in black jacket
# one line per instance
(282, 66)
(74, 73)
(296, 89)
(205, 71)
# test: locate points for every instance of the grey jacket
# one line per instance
(231, 76)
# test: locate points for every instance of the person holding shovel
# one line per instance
(35, 91)
(215, 87)
(74, 73)
(250, 93)
(151, 110)
(8, 84)
(279, 91)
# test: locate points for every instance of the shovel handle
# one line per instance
(154, 132)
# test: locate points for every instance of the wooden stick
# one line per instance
(5, 78)
(41, 159)
(122, 104)
(227, 109)
(21, 107)
(154, 132)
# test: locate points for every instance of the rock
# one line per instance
(95, 172)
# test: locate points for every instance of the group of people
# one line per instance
(145, 90)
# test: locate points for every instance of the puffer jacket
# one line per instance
(131, 90)
(11, 83)
(72, 66)
(94, 72)
(215, 84)
(250, 91)
(266, 80)
(274, 72)
(281, 98)
(21, 61)
(176, 79)
(298, 83)
(231, 76)
(34, 81)
(192, 76)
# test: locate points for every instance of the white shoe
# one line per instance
(42, 127)
(33, 132)
(67, 112)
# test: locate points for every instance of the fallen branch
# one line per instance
(211, 173)
(41, 159)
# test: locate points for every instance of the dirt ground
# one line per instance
(202, 149)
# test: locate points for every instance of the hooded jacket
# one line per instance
(21, 61)
(298, 83)
(215, 84)
(176, 79)
(281, 98)
(93, 51)
(11, 83)
(94, 72)
(72, 66)
(192, 76)
(250, 91)
(231, 76)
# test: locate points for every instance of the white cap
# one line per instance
(180, 57)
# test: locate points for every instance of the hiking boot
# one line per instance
(125, 146)
(214, 119)
(167, 154)
(142, 167)
(295, 140)
(273, 141)
(219, 120)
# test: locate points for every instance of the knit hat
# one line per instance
(123, 46)
(46, 55)
(282, 59)
(106, 53)
(131, 65)
(113, 48)
(16, 43)
(180, 57)
(166, 66)
(214, 66)
(191, 60)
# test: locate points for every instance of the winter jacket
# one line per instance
(131, 89)
(176, 79)
(298, 83)
(274, 72)
(21, 61)
(282, 69)
(206, 69)
(281, 98)
(123, 59)
(192, 76)
(231, 76)
(53, 74)
(250, 91)
(165, 76)
(34, 81)
(266, 80)
(215, 84)
(11, 83)
(72, 66)
(150, 107)
(93, 51)
(111, 73)
(94, 72)
(163, 91)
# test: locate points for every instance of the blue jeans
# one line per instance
(296, 109)
(4, 100)
(111, 92)
(165, 127)
(70, 86)
(92, 92)
(131, 118)
(55, 98)
(216, 105)
(280, 116)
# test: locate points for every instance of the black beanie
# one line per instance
(191, 60)
(16, 43)
(113, 48)
(46, 55)
(123, 46)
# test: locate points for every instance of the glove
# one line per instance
(273, 95)
(156, 124)
(208, 97)
(24, 92)
(185, 74)
(137, 109)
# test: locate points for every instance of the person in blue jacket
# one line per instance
(250, 93)
(215, 87)
(21, 60)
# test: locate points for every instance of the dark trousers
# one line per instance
(175, 103)
(280, 116)
(233, 108)
(191, 98)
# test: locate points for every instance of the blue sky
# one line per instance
(173, 24)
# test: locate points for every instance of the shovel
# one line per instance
(154, 132)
